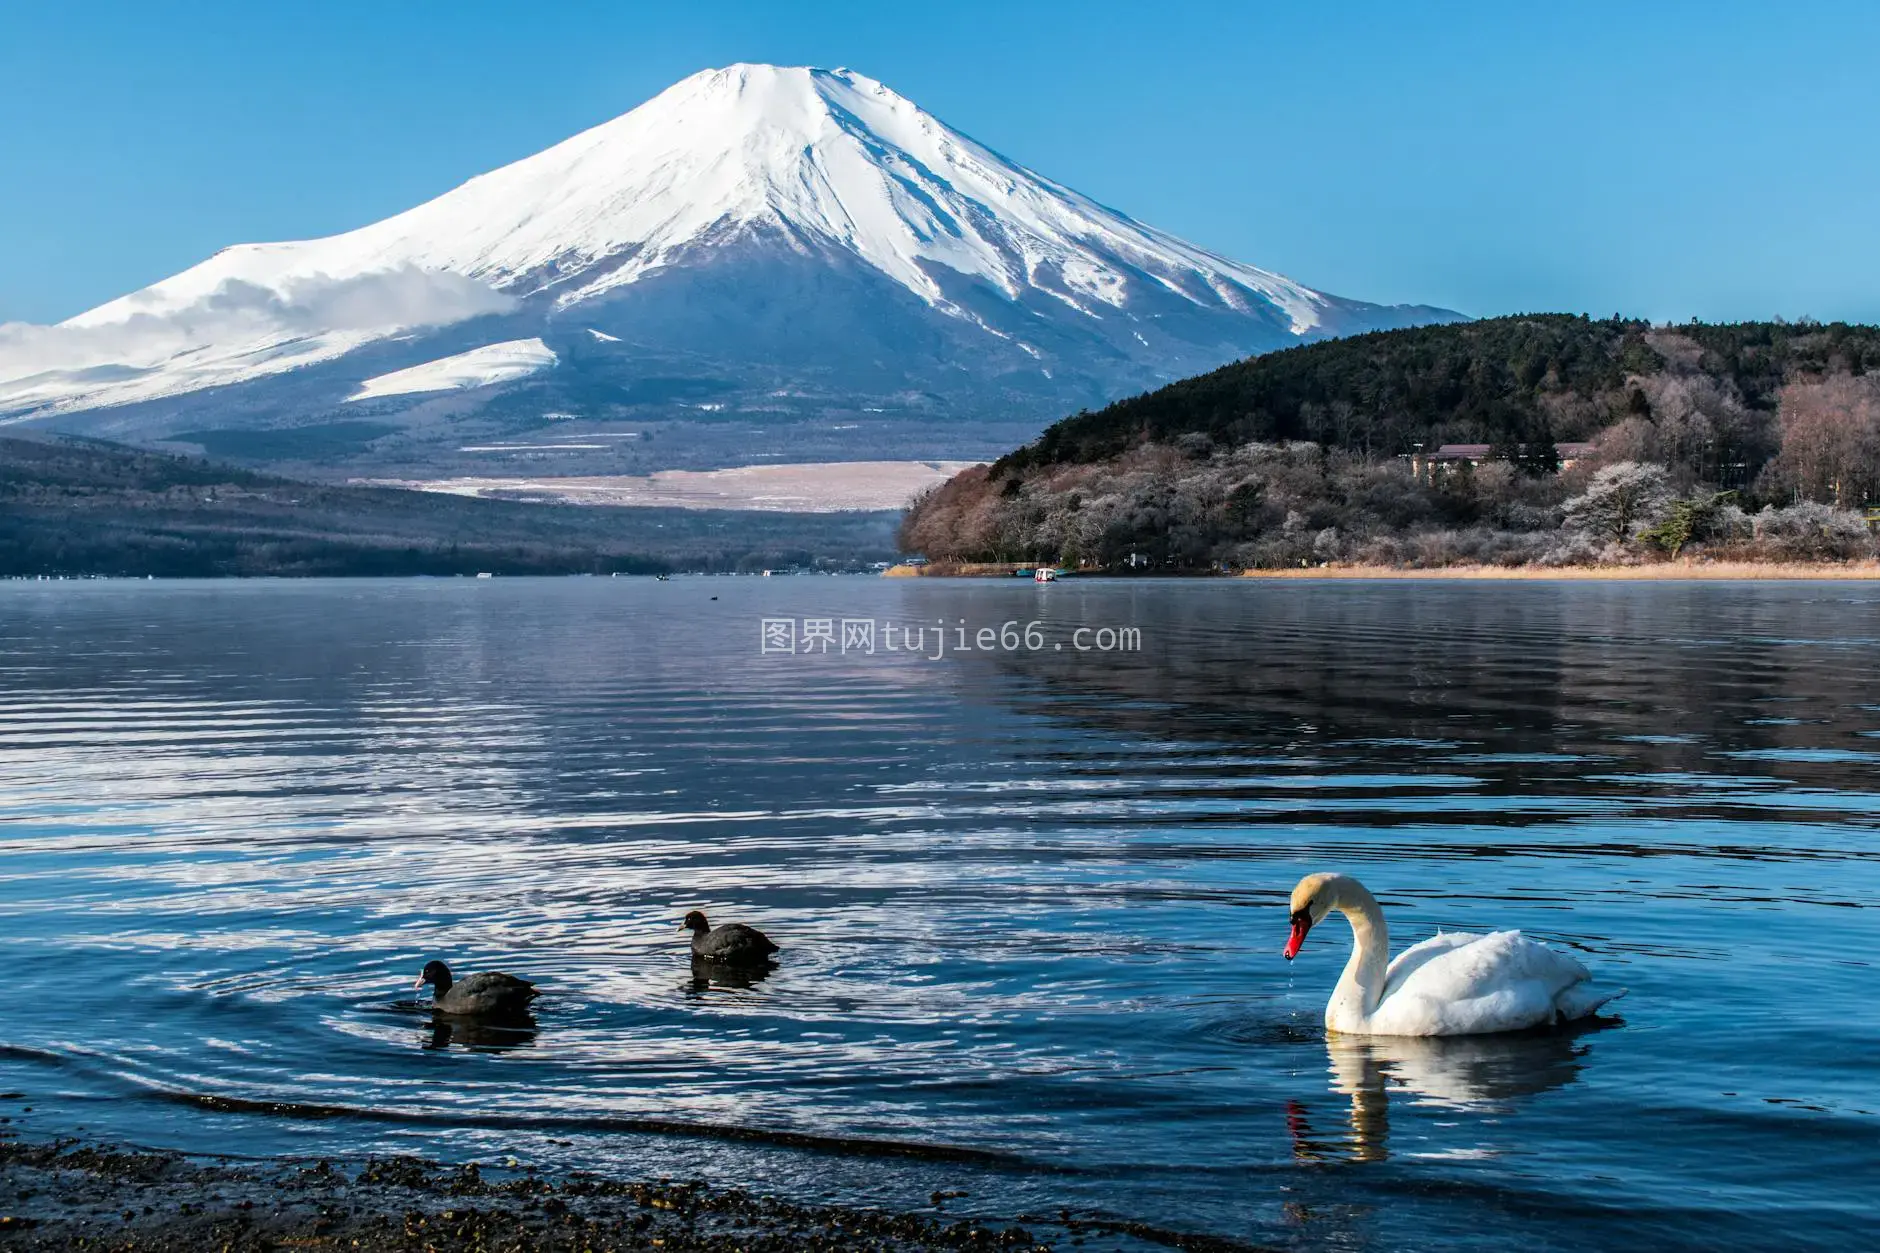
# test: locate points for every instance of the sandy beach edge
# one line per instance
(1660, 571)
(1663, 571)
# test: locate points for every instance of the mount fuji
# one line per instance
(757, 249)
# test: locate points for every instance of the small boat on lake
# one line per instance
(1044, 574)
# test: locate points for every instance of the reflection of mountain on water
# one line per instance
(1471, 1075)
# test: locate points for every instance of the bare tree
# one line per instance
(1831, 440)
(1682, 426)
(1634, 439)
(1620, 500)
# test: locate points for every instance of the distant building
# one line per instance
(1429, 465)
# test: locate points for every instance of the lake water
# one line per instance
(1031, 902)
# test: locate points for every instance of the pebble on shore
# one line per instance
(67, 1195)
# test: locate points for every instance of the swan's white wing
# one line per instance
(1416, 956)
(1470, 984)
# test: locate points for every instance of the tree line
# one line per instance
(1757, 439)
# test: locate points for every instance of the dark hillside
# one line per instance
(74, 506)
(1756, 439)
(1496, 381)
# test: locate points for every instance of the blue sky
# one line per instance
(1716, 160)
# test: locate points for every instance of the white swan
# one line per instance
(1454, 984)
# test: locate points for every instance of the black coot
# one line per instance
(489, 995)
(733, 944)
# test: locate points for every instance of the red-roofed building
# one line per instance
(1427, 465)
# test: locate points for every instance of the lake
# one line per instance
(1031, 896)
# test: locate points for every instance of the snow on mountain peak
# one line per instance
(830, 155)
(830, 162)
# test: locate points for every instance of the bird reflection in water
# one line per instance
(477, 1036)
(707, 975)
(1479, 1074)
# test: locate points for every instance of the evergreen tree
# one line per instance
(1690, 518)
(1539, 457)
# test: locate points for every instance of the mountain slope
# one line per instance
(785, 232)
(1313, 454)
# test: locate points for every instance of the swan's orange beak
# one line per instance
(1301, 923)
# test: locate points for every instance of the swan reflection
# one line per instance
(1480, 1074)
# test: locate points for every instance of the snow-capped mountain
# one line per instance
(776, 238)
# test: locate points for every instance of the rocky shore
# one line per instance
(69, 1195)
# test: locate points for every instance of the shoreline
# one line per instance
(72, 1194)
(1661, 571)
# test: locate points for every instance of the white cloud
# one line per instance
(240, 312)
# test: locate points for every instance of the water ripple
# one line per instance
(1030, 904)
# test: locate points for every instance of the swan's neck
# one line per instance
(1361, 987)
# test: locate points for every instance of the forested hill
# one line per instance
(1753, 440)
(1496, 381)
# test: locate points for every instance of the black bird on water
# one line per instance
(734, 944)
(490, 995)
